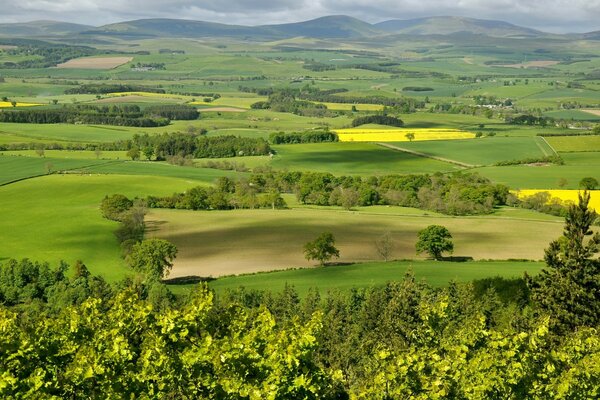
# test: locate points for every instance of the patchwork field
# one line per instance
(574, 143)
(400, 135)
(268, 239)
(95, 63)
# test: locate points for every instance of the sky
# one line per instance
(549, 15)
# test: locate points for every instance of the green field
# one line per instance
(57, 217)
(14, 168)
(353, 159)
(483, 151)
(574, 143)
(346, 277)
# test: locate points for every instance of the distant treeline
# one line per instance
(403, 104)
(528, 119)
(92, 88)
(416, 89)
(378, 119)
(179, 144)
(119, 115)
(303, 137)
(286, 101)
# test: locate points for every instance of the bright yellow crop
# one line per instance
(8, 104)
(400, 135)
(564, 195)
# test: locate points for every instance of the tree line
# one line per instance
(454, 194)
(119, 115)
(535, 337)
(94, 88)
(319, 136)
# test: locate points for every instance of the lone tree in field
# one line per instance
(385, 245)
(435, 239)
(569, 289)
(152, 257)
(321, 249)
(588, 183)
(410, 136)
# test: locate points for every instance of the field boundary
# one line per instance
(547, 144)
(425, 155)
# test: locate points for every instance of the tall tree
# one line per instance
(569, 289)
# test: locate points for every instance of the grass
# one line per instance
(574, 143)
(537, 177)
(192, 175)
(217, 243)
(56, 217)
(353, 159)
(13, 168)
(483, 151)
(346, 277)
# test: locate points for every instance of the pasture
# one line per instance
(218, 243)
(353, 159)
(483, 151)
(574, 143)
(57, 217)
(372, 274)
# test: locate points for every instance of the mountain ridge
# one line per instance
(330, 26)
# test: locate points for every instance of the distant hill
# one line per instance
(334, 26)
(592, 35)
(42, 28)
(174, 28)
(451, 25)
(325, 27)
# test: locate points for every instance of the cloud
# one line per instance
(553, 15)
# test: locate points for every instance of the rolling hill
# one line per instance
(41, 28)
(333, 26)
(451, 25)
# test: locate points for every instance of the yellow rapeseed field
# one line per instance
(8, 104)
(399, 134)
(564, 195)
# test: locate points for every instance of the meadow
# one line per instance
(353, 159)
(372, 274)
(273, 239)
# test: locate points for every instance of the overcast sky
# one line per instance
(548, 15)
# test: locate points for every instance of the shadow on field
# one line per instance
(154, 226)
(187, 280)
(457, 259)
